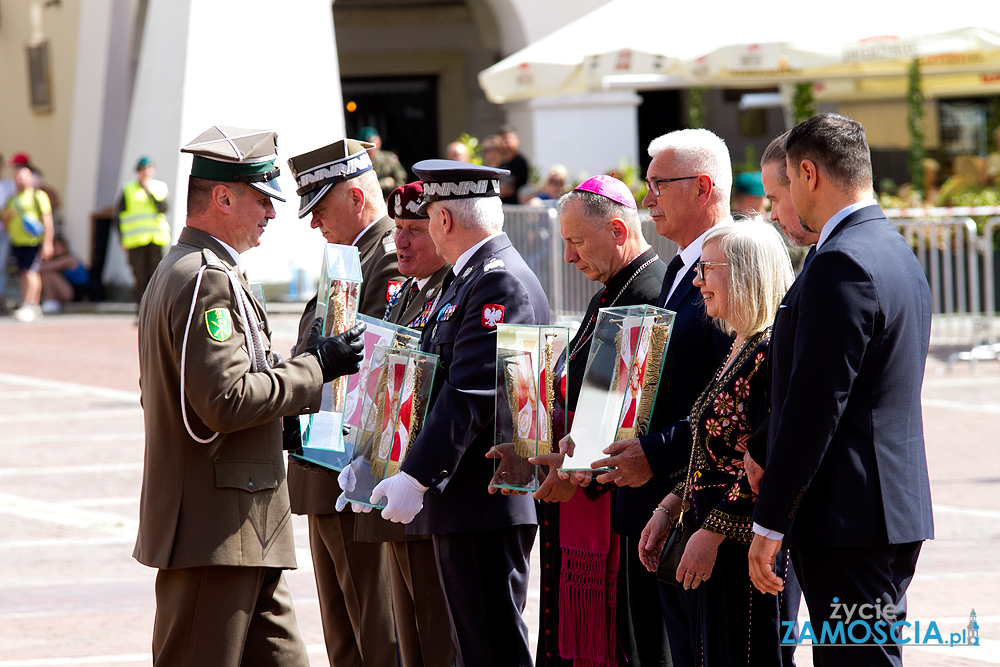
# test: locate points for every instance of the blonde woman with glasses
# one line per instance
(743, 274)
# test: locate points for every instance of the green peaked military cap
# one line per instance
(228, 154)
(317, 171)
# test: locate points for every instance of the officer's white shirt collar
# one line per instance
(464, 258)
(838, 218)
(358, 237)
(422, 282)
(690, 255)
(232, 253)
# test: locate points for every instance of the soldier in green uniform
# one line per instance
(419, 611)
(338, 186)
(214, 514)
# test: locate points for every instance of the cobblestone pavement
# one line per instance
(71, 447)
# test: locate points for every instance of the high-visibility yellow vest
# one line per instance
(140, 222)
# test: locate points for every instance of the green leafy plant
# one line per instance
(915, 123)
(474, 146)
(696, 107)
(804, 104)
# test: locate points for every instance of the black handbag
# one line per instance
(672, 551)
(680, 533)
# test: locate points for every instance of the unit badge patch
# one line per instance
(492, 315)
(495, 263)
(219, 324)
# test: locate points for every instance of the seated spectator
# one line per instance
(64, 278)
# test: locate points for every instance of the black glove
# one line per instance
(291, 433)
(338, 355)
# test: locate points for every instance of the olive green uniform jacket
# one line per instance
(222, 502)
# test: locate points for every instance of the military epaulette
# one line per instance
(494, 263)
(389, 241)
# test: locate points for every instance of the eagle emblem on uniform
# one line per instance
(392, 289)
(492, 315)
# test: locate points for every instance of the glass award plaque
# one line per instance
(337, 305)
(620, 380)
(393, 407)
(379, 335)
(528, 421)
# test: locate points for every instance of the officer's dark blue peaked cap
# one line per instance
(450, 179)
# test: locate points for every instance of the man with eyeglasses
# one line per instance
(688, 185)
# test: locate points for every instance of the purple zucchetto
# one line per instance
(610, 187)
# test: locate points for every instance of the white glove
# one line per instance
(341, 502)
(404, 497)
(347, 479)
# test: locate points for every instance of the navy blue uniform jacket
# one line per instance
(846, 463)
(449, 454)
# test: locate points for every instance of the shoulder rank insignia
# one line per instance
(392, 291)
(495, 263)
(492, 315)
(389, 242)
(446, 312)
(219, 324)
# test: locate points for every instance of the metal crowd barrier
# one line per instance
(534, 231)
(959, 264)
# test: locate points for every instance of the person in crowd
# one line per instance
(845, 484)
(458, 151)
(64, 277)
(419, 610)
(743, 274)
(27, 220)
(424, 269)
(600, 227)
(554, 185)
(493, 153)
(688, 183)
(482, 540)
(214, 516)
(7, 189)
(774, 178)
(142, 223)
(748, 194)
(390, 171)
(513, 161)
(338, 186)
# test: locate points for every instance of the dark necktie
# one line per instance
(410, 293)
(809, 256)
(673, 268)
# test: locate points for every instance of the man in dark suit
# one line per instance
(775, 179)
(845, 484)
(337, 184)
(602, 233)
(481, 540)
(688, 184)
(214, 515)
